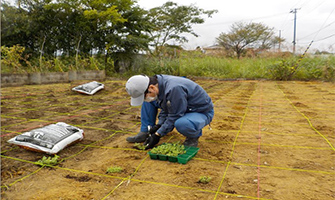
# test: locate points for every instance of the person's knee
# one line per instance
(185, 126)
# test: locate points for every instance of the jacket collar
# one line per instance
(161, 87)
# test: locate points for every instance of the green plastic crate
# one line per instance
(182, 158)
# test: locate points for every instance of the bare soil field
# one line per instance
(268, 140)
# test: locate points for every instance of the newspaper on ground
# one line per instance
(50, 139)
(89, 88)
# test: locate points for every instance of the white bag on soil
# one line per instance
(50, 139)
(89, 88)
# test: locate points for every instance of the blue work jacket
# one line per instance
(177, 96)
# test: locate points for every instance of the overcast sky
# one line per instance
(315, 20)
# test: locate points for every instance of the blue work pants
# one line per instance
(189, 125)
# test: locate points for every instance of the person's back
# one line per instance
(197, 98)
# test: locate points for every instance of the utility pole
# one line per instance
(294, 11)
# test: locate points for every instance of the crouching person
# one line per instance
(183, 105)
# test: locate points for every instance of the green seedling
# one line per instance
(139, 146)
(49, 160)
(115, 169)
(205, 179)
(169, 149)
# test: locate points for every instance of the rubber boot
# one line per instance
(191, 142)
(140, 137)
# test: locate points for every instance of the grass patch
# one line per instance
(311, 67)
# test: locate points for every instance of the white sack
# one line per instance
(50, 139)
(89, 88)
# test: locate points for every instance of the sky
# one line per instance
(315, 20)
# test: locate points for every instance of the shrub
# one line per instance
(329, 72)
(13, 60)
(281, 70)
(151, 66)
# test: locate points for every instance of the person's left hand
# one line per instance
(154, 129)
(151, 141)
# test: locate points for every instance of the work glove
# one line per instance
(154, 129)
(151, 141)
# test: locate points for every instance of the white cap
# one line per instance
(136, 86)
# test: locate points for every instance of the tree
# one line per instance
(79, 27)
(31, 25)
(14, 26)
(169, 21)
(75, 27)
(127, 39)
(278, 40)
(242, 36)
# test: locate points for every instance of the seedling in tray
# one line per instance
(173, 152)
(169, 149)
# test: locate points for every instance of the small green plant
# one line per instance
(169, 149)
(139, 146)
(114, 169)
(205, 179)
(49, 160)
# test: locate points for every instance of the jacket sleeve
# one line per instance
(162, 117)
(176, 100)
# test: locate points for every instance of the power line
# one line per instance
(330, 36)
(324, 23)
(270, 16)
(314, 8)
(306, 2)
(228, 22)
(294, 11)
(318, 30)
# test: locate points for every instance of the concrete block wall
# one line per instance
(14, 79)
(90, 75)
(51, 77)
